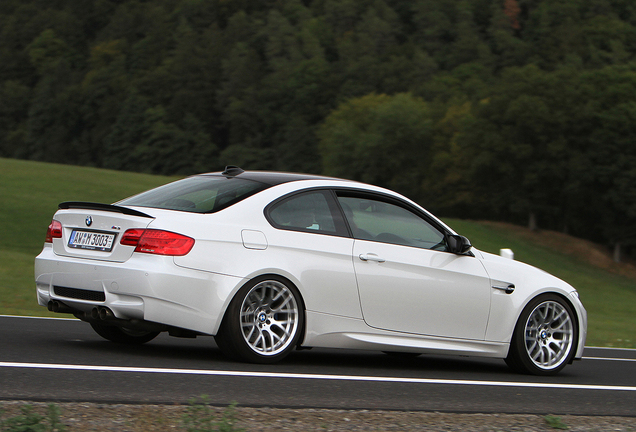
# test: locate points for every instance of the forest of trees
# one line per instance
(515, 110)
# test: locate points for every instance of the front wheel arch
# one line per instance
(234, 344)
(542, 343)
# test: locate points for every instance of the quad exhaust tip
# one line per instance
(102, 313)
(58, 307)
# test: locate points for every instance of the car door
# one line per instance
(407, 282)
(312, 243)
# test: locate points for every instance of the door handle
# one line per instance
(371, 257)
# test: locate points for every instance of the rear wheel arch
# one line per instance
(259, 277)
(230, 337)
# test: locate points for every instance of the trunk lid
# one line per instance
(93, 231)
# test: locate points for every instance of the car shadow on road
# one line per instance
(202, 353)
(374, 362)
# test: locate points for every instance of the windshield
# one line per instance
(198, 194)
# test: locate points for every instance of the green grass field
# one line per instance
(30, 192)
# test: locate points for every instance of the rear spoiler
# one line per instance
(103, 207)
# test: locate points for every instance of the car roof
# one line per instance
(271, 178)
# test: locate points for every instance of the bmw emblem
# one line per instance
(89, 221)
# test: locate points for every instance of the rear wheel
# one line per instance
(264, 321)
(123, 335)
(545, 337)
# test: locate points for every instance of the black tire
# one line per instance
(263, 322)
(545, 337)
(123, 335)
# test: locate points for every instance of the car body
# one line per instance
(267, 262)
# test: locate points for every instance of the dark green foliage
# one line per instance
(380, 139)
(509, 109)
(30, 421)
(558, 145)
(555, 422)
(201, 418)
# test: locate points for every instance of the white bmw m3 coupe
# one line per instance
(267, 262)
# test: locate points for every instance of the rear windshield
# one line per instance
(198, 194)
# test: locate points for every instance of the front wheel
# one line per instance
(263, 323)
(545, 337)
(123, 335)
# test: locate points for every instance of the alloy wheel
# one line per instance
(549, 335)
(269, 317)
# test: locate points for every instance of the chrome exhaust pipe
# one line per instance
(58, 307)
(101, 313)
(105, 314)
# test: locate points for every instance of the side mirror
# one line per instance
(458, 244)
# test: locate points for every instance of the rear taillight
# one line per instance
(157, 242)
(54, 231)
(131, 237)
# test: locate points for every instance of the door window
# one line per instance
(386, 222)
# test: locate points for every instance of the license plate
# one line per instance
(92, 240)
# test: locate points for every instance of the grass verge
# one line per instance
(89, 417)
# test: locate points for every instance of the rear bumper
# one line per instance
(145, 287)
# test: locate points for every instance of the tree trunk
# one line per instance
(617, 252)
(532, 222)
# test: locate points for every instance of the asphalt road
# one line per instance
(63, 360)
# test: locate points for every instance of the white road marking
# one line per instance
(246, 374)
(609, 358)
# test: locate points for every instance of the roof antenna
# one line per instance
(231, 171)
